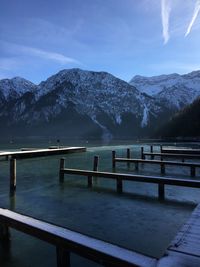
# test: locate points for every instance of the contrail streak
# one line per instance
(195, 14)
(165, 14)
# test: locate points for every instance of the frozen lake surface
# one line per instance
(135, 219)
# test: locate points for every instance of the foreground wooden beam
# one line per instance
(67, 241)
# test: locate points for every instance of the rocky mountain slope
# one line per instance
(174, 89)
(77, 103)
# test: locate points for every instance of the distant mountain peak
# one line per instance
(175, 89)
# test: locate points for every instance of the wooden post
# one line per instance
(96, 163)
(113, 159)
(161, 191)
(151, 151)
(95, 168)
(136, 166)
(128, 156)
(119, 185)
(192, 171)
(162, 168)
(4, 232)
(142, 153)
(61, 173)
(161, 149)
(63, 257)
(12, 176)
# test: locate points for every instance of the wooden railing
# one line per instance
(67, 241)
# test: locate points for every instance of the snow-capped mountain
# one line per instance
(84, 104)
(177, 90)
(78, 103)
(16, 87)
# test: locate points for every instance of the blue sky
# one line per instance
(124, 37)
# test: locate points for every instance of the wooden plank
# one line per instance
(96, 250)
(184, 250)
(42, 152)
(173, 155)
(187, 241)
(178, 163)
(181, 150)
(137, 178)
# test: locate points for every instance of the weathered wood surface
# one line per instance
(96, 250)
(167, 162)
(136, 178)
(188, 238)
(41, 152)
(162, 163)
(184, 250)
(172, 155)
(180, 150)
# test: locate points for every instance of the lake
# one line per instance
(135, 219)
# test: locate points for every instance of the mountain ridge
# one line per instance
(79, 103)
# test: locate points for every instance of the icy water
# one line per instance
(135, 219)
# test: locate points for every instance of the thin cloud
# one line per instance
(195, 15)
(49, 55)
(35, 52)
(165, 14)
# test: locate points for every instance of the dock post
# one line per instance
(151, 151)
(95, 168)
(12, 176)
(128, 156)
(119, 185)
(4, 233)
(161, 149)
(96, 163)
(161, 191)
(63, 257)
(192, 171)
(136, 166)
(113, 159)
(142, 153)
(61, 173)
(162, 168)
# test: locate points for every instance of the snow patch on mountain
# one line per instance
(144, 121)
(175, 90)
(12, 88)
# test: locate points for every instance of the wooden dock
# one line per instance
(180, 150)
(171, 155)
(41, 152)
(184, 250)
(162, 163)
(120, 177)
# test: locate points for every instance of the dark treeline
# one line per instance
(185, 123)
